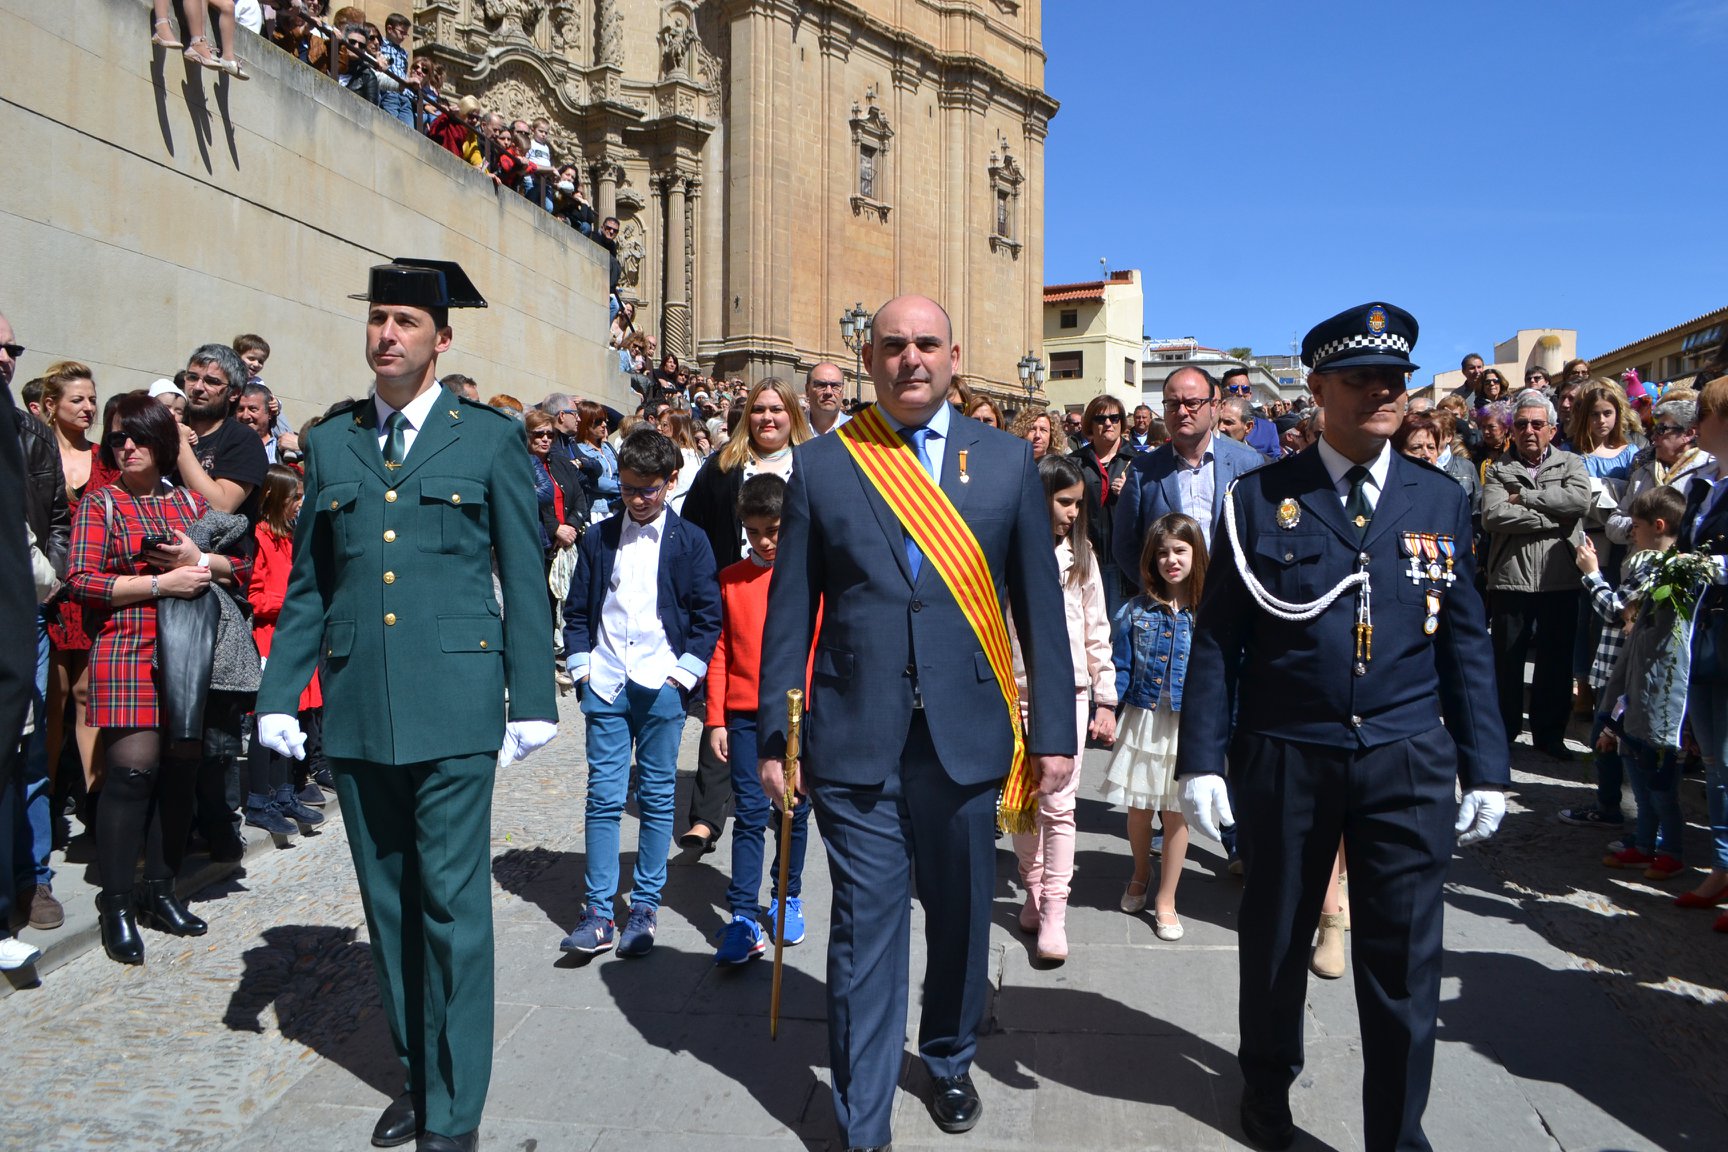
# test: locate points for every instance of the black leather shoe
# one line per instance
(120, 937)
(954, 1103)
(433, 1142)
(398, 1125)
(158, 907)
(873, 1148)
(1266, 1121)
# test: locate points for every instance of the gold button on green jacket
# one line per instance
(391, 594)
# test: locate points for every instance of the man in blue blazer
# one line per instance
(908, 738)
(1342, 622)
(1189, 474)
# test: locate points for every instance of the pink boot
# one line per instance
(1029, 912)
(1053, 931)
(1028, 848)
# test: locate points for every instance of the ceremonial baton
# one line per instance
(794, 728)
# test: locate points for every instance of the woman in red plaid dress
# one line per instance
(148, 796)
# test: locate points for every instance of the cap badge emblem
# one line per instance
(1376, 319)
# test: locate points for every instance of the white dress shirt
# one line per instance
(936, 442)
(1337, 464)
(416, 410)
(1198, 487)
(631, 642)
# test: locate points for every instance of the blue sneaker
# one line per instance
(794, 919)
(593, 933)
(740, 942)
(638, 935)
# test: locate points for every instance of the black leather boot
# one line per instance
(120, 937)
(159, 908)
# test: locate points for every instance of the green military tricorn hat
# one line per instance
(421, 284)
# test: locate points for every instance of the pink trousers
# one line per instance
(1047, 855)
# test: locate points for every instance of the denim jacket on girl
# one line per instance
(1150, 651)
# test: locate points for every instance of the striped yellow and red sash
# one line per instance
(934, 524)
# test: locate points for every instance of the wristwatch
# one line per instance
(155, 586)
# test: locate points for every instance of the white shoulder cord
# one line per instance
(1283, 609)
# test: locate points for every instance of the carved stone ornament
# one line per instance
(511, 19)
(677, 37)
(632, 250)
(565, 20)
(608, 34)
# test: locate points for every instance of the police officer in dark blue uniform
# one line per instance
(1344, 621)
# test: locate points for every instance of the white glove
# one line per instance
(1479, 815)
(1206, 805)
(281, 734)
(523, 737)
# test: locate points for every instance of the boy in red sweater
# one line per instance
(733, 675)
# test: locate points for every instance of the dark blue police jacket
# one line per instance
(1297, 681)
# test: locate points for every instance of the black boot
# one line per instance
(159, 908)
(120, 937)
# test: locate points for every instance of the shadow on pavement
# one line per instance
(322, 986)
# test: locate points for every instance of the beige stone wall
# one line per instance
(151, 208)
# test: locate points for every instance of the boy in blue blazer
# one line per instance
(640, 625)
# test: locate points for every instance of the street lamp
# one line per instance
(855, 331)
(1031, 376)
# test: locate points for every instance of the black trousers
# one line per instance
(1394, 807)
(1549, 622)
(711, 791)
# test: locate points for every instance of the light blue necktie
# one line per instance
(916, 437)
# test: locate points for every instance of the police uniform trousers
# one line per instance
(918, 828)
(421, 839)
(1394, 806)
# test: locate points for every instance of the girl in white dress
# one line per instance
(1152, 633)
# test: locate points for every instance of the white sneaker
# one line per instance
(14, 953)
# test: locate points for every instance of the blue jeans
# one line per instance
(1610, 772)
(1655, 774)
(32, 839)
(651, 720)
(1708, 709)
(753, 815)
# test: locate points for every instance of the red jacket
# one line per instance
(265, 589)
(734, 672)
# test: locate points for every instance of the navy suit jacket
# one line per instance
(1296, 681)
(1150, 492)
(842, 548)
(688, 600)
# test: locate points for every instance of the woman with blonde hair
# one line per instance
(772, 424)
(984, 410)
(1044, 432)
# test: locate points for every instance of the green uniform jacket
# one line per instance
(392, 588)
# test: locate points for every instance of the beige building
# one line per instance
(1544, 348)
(1092, 334)
(772, 162)
(1673, 355)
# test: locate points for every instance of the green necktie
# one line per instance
(395, 445)
(1356, 507)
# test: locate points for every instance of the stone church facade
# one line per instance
(774, 162)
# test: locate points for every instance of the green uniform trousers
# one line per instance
(421, 838)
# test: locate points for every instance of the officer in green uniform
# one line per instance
(410, 495)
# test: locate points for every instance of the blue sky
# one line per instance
(1489, 166)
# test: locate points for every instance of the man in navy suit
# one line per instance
(1342, 620)
(908, 739)
(1190, 474)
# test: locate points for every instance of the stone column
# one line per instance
(693, 244)
(675, 313)
(606, 189)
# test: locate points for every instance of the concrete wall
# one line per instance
(150, 206)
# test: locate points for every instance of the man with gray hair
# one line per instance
(1533, 499)
(824, 390)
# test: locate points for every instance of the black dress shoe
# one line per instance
(158, 907)
(119, 928)
(1266, 1122)
(398, 1125)
(873, 1148)
(433, 1142)
(954, 1103)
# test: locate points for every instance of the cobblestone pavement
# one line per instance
(267, 1034)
